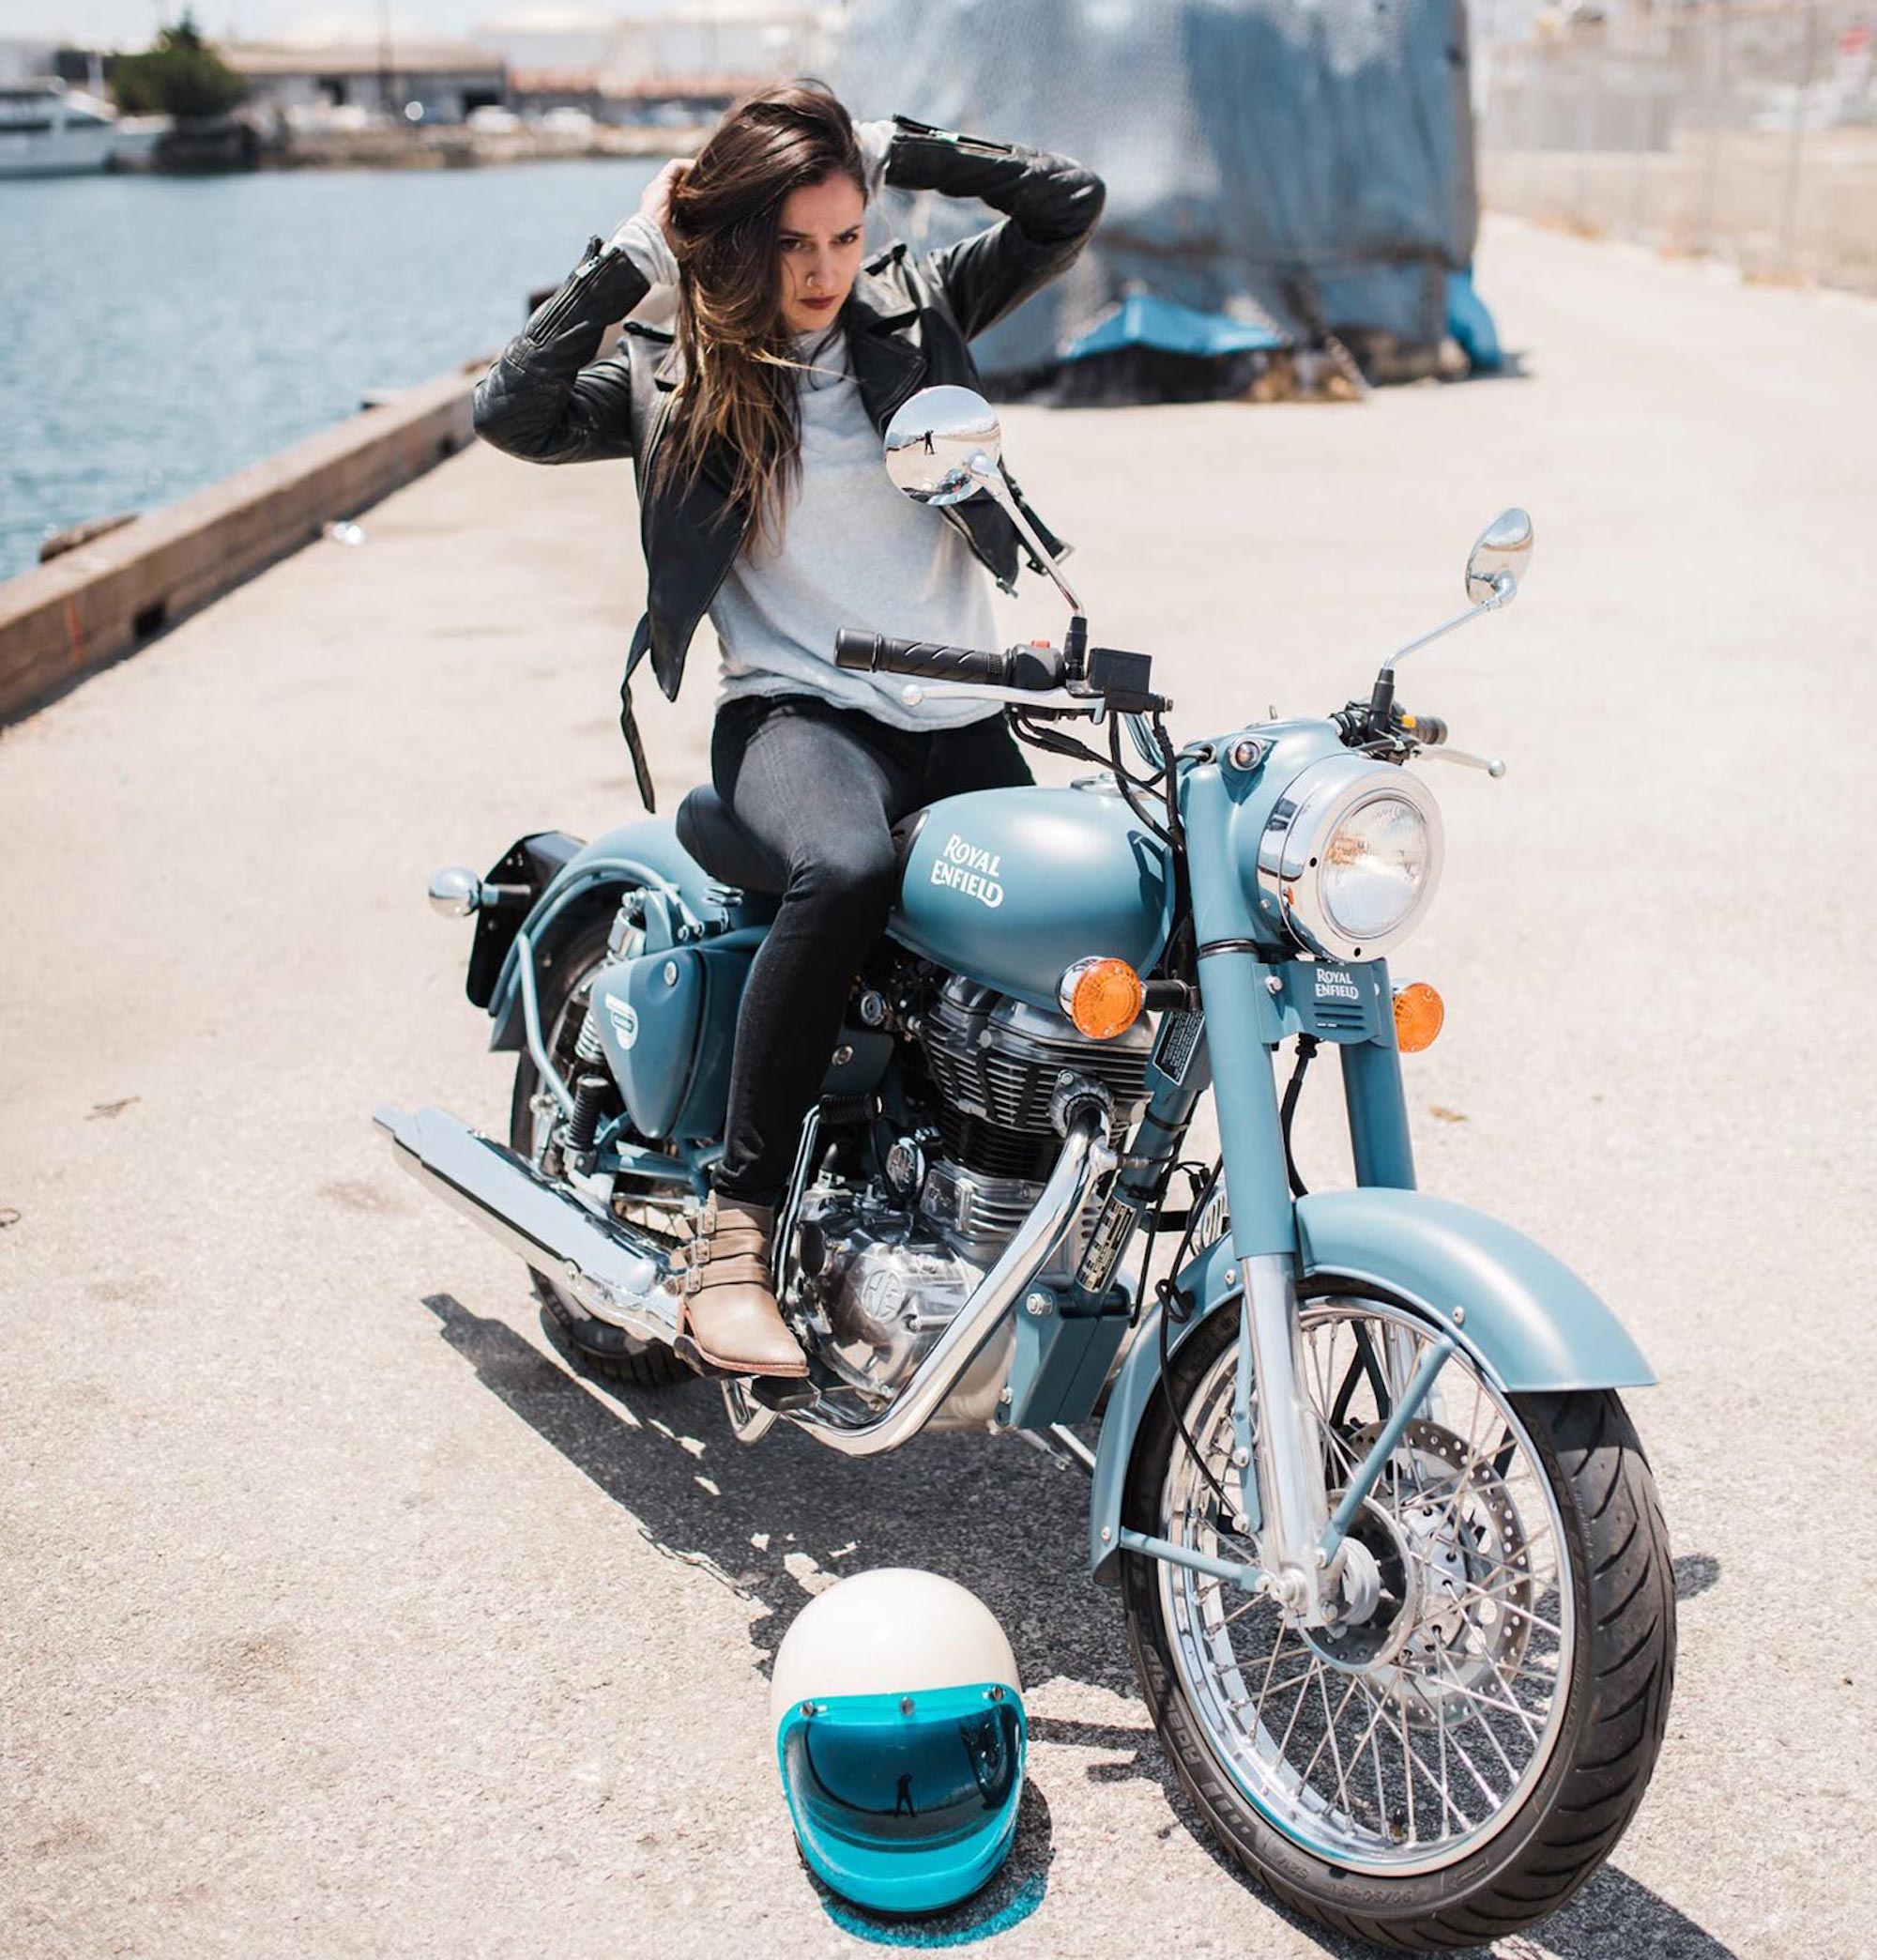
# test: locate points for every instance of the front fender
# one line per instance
(1526, 1318)
(647, 852)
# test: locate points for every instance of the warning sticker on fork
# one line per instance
(1179, 1039)
(1105, 1246)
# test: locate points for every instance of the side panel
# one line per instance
(647, 853)
(1530, 1322)
(651, 1009)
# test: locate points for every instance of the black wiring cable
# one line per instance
(1057, 743)
(1130, 788)
(1168, 775)
(1166, 780)
(1308, 1046)
(1168, 1293)
(1170, 778)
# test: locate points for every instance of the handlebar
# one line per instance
(1358, 724)
(1033, 668)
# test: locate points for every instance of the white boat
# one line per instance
(49, 130)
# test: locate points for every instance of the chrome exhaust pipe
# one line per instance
(1086, 1157)
(616, 1273)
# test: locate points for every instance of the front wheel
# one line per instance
(1453, 1764)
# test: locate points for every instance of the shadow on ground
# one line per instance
(1005, 1521)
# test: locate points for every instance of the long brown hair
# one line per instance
(739, 397)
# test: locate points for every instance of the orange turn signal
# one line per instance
(1103, 997)
(1419, 1013)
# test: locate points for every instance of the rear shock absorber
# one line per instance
(590, 1078)
(590, 1084)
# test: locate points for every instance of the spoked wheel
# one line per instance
(1456, 1756)
(599, 1347)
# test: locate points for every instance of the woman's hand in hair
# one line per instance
(645, 237)
(655, 206)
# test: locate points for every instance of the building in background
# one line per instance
(441, 81)
(24, 60)
(680, 65)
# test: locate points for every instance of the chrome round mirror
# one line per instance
(942, 445)
(1498, 559)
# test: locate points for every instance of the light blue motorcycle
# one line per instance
(1395, 1576)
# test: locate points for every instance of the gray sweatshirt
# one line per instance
(853, 552)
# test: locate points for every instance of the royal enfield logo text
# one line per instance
(1332, 983)
(964, 867)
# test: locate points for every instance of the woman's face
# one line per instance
(818, 244)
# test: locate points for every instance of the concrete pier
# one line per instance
(341, 1619)
(118, 590)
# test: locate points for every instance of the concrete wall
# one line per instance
(104, 600)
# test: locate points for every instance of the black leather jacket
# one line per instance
(909, 321)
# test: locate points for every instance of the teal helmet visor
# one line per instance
(905, 1803)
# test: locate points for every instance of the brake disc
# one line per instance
(1451, 1619)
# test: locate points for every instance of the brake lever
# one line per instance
(1057, 699)
(1493, 765)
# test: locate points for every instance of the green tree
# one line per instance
(181, 76)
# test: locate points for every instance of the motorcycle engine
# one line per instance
(998, 1063)
(885, 1272)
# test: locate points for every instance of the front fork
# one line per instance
(1288, 1510)
(1307, 1563)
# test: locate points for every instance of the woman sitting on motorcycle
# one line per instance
(763, 502)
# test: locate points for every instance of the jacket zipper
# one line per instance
(972, 145)
(576, 284)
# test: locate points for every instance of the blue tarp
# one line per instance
(1469, 323)
(1306, 164)
(1145, 321)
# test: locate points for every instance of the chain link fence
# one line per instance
(1741, 129)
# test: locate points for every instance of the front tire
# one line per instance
(595, 1347)
(1493, 1660)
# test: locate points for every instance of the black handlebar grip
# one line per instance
(919, 660)
(1430, 730)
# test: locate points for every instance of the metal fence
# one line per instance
(1747, 132)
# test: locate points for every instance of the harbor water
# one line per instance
(157, 333)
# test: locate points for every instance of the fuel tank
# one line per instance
(1010, 886)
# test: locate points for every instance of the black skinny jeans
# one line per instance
(822, 787)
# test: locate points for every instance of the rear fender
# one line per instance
(689, 903)
(511, 891)
(1524, 1316)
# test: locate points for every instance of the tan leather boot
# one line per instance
(729, 1322)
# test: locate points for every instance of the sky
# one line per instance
(132, 22)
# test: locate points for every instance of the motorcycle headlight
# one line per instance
(1350, 855)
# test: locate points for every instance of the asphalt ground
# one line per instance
(339, 1618)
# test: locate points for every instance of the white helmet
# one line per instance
(900, 1738)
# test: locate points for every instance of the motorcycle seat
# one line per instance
(712, 835)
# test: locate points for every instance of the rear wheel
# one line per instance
(596, 1346)
(1454, 1759)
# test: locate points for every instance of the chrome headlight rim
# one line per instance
(1306, 813)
